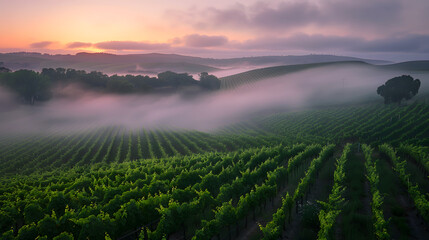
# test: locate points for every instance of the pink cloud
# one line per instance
(196, 40)
(43, 44)
(78, 45)
(131, 45)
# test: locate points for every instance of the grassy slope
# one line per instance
(269, 72)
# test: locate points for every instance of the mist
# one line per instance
(223, 72)
(75, 109)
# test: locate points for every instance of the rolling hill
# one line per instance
(154, 63)
(236, 80)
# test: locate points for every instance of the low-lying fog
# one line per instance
(223, 72)
(83, 109)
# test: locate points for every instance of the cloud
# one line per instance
(79, 45)
(369, 13)
(301, 42)
(221, 46)
(285, 15)
(188, 41)
(196, 40)
(281, 17)
(403, 43)
(176, 40)
(235, 16)
(43, 44)
(400, 43)
(131, 45)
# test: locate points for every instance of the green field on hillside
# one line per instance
(347, 172)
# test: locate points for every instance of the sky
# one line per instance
(382, 29)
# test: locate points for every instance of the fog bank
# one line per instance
(78, 109)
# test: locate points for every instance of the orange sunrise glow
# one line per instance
(163, 26)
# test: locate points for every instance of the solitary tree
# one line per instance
(398, 88)
(210, 82)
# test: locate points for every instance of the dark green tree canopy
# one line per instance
(4, 70)
(29, 85)
(32, 86)
(398, 88)
(119, 86)
(176, 80)
(210, 82)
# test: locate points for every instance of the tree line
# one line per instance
(33, 86)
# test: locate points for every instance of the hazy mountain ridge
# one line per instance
(153, 63)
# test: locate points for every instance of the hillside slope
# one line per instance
(236, 80)
(155, 62)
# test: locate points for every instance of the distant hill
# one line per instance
(106, 63)
(154, 63)
(410, 66)
(291, 60)
(235, 80)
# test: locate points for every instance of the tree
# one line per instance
(4, 70)
(210, 82)
(398, 88)
(176, 80)
(30, 85)
(54, 74)
(119, 86)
